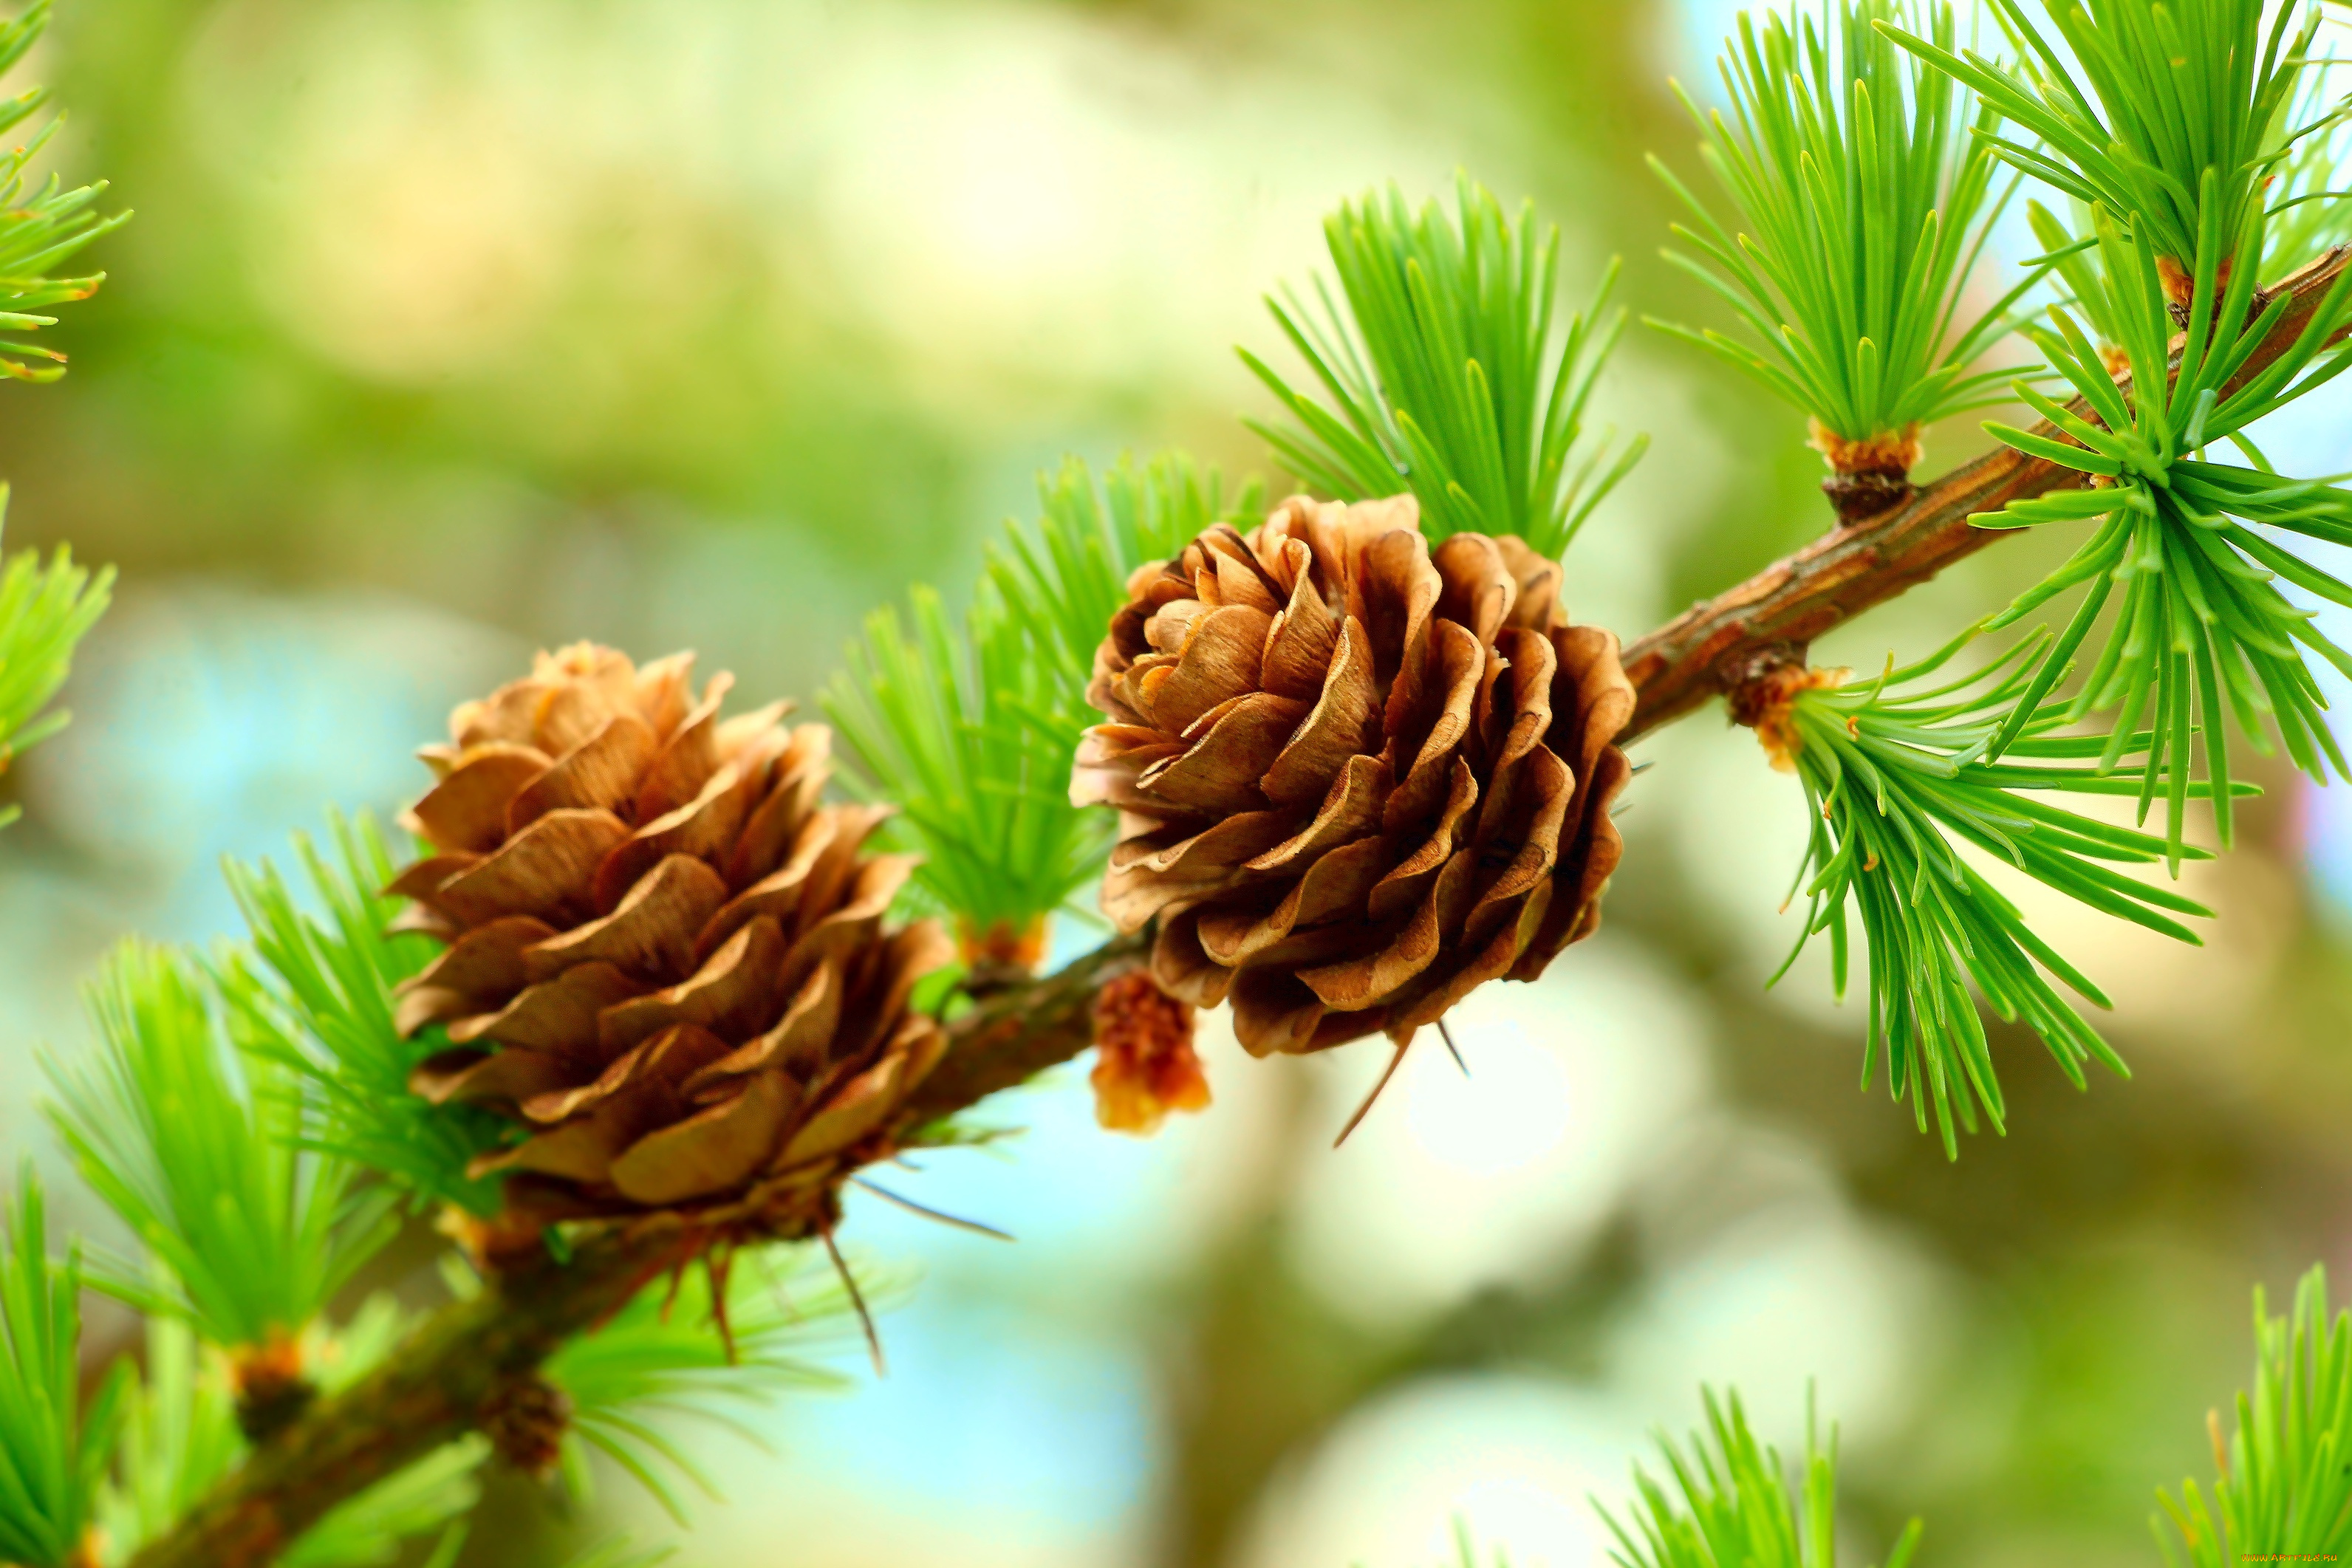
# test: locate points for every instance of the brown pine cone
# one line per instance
(667, 960)
(1356, 777)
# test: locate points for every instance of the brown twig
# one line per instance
(1847, 572)
(431, 1391)
(426, 1394)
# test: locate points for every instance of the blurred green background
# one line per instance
(451, 328)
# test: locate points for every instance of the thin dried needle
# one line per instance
(690, 1246)
(1450, 1048)
(858, 1300)
(718, 1270)
(784, 1298)
(1386, 1073)
(929, 1213)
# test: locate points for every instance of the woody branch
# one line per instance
(1797, 599)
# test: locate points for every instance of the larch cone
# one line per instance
(667, 961)
(1358, 776)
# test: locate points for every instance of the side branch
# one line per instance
(429, 1392)
(424, 1397)
(1847, 571)
(1012, 1037)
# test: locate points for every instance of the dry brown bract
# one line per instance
(526, 1418)
(1358, 776)
(1892, 452)
(667, 960)
(1145, 1065)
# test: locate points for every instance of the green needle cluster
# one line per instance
(2074, 263)
(970, 728)
(2307, 216)
(2285, 1481)
(1863, 190)
(45, 610)
(1898, 788)
(1731, 1505)
(1444, 375)
(2182, 92)
(950, 724)
(53, 1449)
(1066, 577)
(194, 1144)
(2283, 1491)
(41, 225)
(179, 1436)
(2200, 624)
(311, 993)
(669, 1354)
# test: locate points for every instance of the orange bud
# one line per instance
(1145, 1065)
(1001, 943)
(271, 1387)
(1892, 452)
(1762, 702)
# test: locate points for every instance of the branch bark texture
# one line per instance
(429, 1393)
(1706, 649)
(425, 1396)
